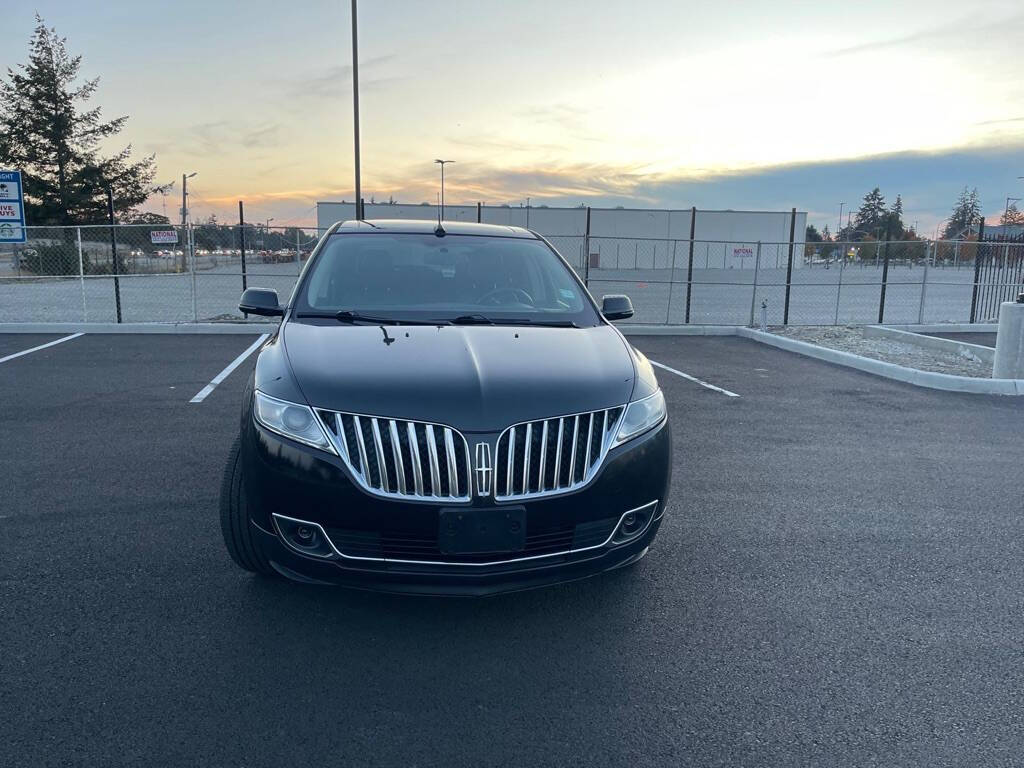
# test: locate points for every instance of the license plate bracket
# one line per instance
(499, 530)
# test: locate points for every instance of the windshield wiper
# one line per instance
(348, 316)
(471, 320)
(477, 319)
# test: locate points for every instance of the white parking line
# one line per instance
(202, 393)
(41, 346)
(695, 380)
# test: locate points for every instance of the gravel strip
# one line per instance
(852, 339)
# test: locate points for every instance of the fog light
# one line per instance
(304, 537)
(634, 522)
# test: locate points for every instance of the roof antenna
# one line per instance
(439, 231)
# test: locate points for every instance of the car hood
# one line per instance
(475, 378)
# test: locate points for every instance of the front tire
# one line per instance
(234, 518)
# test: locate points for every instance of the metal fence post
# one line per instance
(586, 252)
(977, 271)
(671, 282)
(113, 253)
(839, 288)
(192, 261)
(298, 254)
(753, 293)
(885, 272)
(789, 265)
(924, 290)
(81, 271)
(478, 212)
(689, 266)
(241, 234)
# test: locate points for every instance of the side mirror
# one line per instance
(616, 307)
(260, 301)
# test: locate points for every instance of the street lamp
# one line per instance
(266, 232)
(840, 227)
(442, 164)
(355, 108)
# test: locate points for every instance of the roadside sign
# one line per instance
(165, 236)
(12, 209)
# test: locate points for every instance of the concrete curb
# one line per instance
(946, 327)
(189, 328)
(929, 379)
(985, 354)
(676, 330)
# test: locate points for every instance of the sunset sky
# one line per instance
(646, 103)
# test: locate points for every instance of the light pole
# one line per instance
(442, 164)
(266, 233)
(840, 227)
(355, 108)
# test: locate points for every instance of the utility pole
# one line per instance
(266, 235)
(442, 164)
(355, 108)
(184, 216)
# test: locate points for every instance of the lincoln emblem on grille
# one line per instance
(483, 470)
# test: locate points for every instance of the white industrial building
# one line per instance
(621, 237)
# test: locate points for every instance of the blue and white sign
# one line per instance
(12, 208)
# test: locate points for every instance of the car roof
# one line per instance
(429, 226)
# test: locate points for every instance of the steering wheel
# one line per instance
(517, 294)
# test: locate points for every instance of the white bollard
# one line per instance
(1009, 358)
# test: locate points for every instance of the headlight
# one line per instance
(291, 420)
(640, 416)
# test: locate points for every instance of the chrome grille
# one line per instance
(401, 459)
(549, 456)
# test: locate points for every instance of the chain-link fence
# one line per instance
(163, 273)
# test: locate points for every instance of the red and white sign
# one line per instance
(10, 211)
(163, 236)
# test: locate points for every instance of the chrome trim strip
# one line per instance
(558, 457)
(572, 458)
(414, 452)
(435, 466)
(342, 441)
(543, 456)
(526, 458)
(341, 555)
(590, 439)
(508, 463)
(396, 452)
(453, 472)
(469, 471)
(378, 447)
(363, 463)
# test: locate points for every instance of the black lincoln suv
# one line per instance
(444, 409)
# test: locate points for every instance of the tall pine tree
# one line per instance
(871, 218)
(48, 132)
(965, 216)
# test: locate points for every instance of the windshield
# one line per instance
(425, 277)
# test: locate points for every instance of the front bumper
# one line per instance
(390, 545)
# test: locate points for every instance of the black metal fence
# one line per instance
(998, 274)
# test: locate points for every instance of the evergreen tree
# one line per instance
(50, 134)
(895, 219)
(966, 214)
(812, 235)
(1012, 216)
(871, 218)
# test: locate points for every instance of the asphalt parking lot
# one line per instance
(839, 581)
